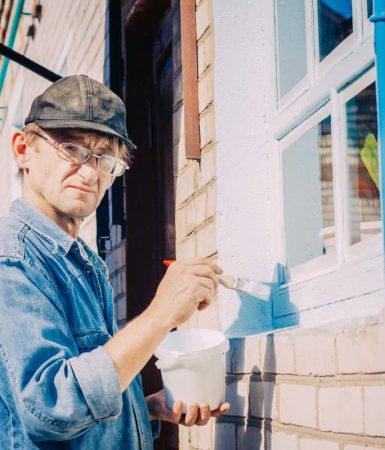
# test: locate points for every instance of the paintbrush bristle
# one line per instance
(256, 289)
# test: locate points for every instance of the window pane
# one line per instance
(370, 8)
(334, 24)
(308, 192)
(364, 198)
(291, 38)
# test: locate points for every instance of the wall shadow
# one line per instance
(252, 357)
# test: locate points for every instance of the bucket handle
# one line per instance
(167, 364)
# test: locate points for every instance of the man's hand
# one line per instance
(196, 414)
(188, 285)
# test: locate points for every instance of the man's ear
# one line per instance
(20, 150)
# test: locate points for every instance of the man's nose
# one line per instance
(89, 170)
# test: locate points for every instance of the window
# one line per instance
(363, 167)
(327, 138)
(335, 24)
(292, 52)
(308, 194)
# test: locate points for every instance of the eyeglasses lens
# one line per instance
(74, 153)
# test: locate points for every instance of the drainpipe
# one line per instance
(379, 46)
(11, 40)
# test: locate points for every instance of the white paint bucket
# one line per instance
(192, 363)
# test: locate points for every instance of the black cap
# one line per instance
(78, 101)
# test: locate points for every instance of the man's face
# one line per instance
(69, 189)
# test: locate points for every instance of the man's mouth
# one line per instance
(82, 189)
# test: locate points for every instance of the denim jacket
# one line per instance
(59, 388)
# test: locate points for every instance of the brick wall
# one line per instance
(195, 180)
(307, 389)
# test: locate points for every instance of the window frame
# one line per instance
(340, 76)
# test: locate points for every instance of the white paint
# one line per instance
(243, 84)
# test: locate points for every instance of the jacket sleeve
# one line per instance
(60, 394)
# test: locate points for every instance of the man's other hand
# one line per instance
(196, 414)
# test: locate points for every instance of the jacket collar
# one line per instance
(41, 224)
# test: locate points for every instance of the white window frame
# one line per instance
(356, 270)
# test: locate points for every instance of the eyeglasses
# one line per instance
(76, 154)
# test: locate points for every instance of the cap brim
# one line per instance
(83, 125)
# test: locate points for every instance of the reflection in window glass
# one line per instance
(370, 8)
(291, 40)
(308, 192)
(364, 184)
(334, 24)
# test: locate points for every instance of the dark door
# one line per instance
(150, 182)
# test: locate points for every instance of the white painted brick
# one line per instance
(278, 440)
(186, 183)
(315, 444)
(225, 436)
(297, 404)
(202, 17)
(284, 355)
(186, 248)
(206, 90)
(208, 167)
(206, 240)
(181, 223)
(263, 402)
(211, 201)
(352, 349)
(194, 437)
(205, 53)
(191, 216)
(179, 154)
(205, 436)
(341, 409)
(374, 410)
(200, 208)
(237, 394)
(315, 353)
(249, 438)
(243, 355)
(207, 126)
(184, 438)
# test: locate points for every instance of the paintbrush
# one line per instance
(259, 290)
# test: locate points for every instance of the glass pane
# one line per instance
(308, 192)
(291, 39)
(364, 198)
(370, 8)
(334, 24)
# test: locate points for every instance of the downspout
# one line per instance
(11, 40)
(379, 47)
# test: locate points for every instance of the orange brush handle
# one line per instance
(168, 262)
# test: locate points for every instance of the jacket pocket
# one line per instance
(88, 339)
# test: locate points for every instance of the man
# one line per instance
(70, 379)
